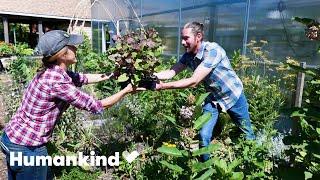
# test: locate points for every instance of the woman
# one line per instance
(47, 96)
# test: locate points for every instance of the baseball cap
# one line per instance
(53, 41)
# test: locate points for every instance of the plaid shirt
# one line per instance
(47, 96)
(223, 83)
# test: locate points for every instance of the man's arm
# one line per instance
(94, 78)
(199, 74)
(168, 74)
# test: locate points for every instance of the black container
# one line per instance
(149, 83)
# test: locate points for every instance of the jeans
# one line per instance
(239, 114)
(23, 172)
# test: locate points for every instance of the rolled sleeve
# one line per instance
(78, 79)
(70, 94)
(211, 58)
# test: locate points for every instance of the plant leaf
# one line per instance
(201, 98)
(206, 150)
(207, 174)
(307, 175)
(297, 114)
(171, 119)
(173, 151)
(172, 167)
(234, 164)
(123, 77)
(201, 121)
(237, 176)
(199, 166)
(305, 21)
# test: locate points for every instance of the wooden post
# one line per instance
(6, 29)
(299, 87)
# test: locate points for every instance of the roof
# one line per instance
(60, 9)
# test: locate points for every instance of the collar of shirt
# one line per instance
(199, 55)
(61, 71)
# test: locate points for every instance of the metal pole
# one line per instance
(179, 31)
(14, 36)
(141, 1)
(103, 38)
(246, 25)
(118, 28)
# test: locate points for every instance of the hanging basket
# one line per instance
(313, 32)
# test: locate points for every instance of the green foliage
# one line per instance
(77, 173)
(264, 93)
(265, 100)
(182, 160)
(6, 49)
(23, 69)
(305, 145)
(91, 62)
(12, 96)
(22, 49)
(70, 136)
(305, 21)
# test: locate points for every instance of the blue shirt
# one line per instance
(223, 83)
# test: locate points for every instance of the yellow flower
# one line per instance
(168, 144)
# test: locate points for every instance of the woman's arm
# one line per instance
(111, 100)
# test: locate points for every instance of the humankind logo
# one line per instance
(16, 158)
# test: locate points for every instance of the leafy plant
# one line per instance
(77, 173)
(312, 30)
(136, 55)
(6, 49)
(182, 157)
(265, 100)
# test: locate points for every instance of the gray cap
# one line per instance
(53, 41)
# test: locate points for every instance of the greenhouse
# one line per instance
(169, 89)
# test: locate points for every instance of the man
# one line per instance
(210, 65)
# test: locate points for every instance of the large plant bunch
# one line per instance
(136, 55)
(312, 30)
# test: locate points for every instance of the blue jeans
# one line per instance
(17, 172)
(239, 114)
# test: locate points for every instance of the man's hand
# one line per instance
(159, 85)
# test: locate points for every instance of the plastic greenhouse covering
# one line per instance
(231, 23)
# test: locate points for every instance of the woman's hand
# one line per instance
(107, 76)
(133, 89)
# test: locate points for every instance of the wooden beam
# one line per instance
(299, 87)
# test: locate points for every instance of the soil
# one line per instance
(4, 82)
